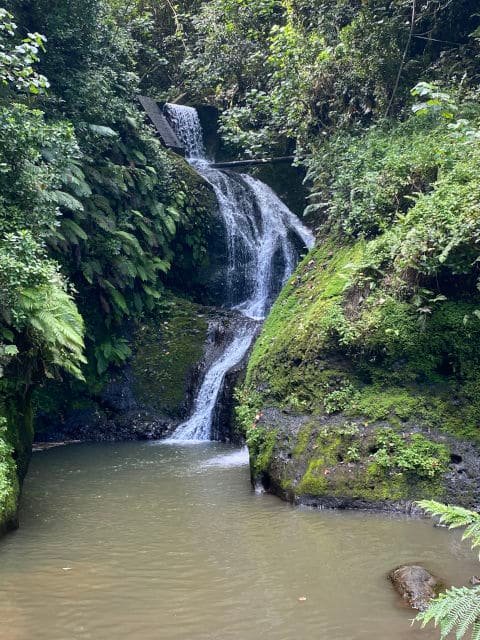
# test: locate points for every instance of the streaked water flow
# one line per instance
(135, 541)
(198, 426)
(263, 242)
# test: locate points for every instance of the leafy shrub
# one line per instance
(369, 179)
(8, 478)
(415, 455)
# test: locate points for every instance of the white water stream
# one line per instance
(263, 241)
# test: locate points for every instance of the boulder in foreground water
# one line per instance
(416, 585)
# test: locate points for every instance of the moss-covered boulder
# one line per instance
(339, 462)
(355, 397)
(168, 348)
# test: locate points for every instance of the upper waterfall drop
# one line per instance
(186, 124)
(264, 239)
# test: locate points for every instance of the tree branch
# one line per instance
(404, 58)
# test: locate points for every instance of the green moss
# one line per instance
(416, 455)
(9, 487)
(303, 438)
(167, 346)
(382, 403)
(16, 437)
(362, 480)
(261, 444)
(302, 327)
(329, 345)
(380, 323)
(247, 407)
(314, 482)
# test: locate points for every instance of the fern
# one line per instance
(73, 231)
(458, 609)
(130, 242)
(455, 517)
(56, 324)
(67, 201)
(112, 351)
(100, 130)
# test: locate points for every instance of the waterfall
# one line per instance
(263, 242)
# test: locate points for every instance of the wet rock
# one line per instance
(45, 446)
(154, 392)
(222, 421)
(329, 461)
(416, 585)
(118, 394)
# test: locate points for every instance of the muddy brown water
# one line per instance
(164, 542)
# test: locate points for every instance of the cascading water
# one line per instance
(263, 242)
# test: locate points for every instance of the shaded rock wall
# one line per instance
(155, 391)
(16, 436)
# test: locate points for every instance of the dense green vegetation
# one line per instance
(379, 325)
(93, 211)
(366, 372)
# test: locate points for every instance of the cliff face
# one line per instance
(154, 391)
(350, 400)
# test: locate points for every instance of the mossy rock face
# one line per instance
(9, 487)
(339, 463)
(148, 396)
(154, 391)
(167, 352)
(16, 436)
(337, 350)
(287, 182)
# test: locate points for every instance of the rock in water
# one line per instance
(415, 584)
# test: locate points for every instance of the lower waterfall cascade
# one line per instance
(264, 240)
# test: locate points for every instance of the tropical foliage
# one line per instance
(93, 211)
(82, 173)
(379, 103)
(457, 610)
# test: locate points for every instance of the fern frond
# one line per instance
(105, 221)
(476, 631)
(66, 200)
(73, 231)
(129, 240)
(54, 317)
(452, 516)
(455, 610)
(472, 532)
(455, 517)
